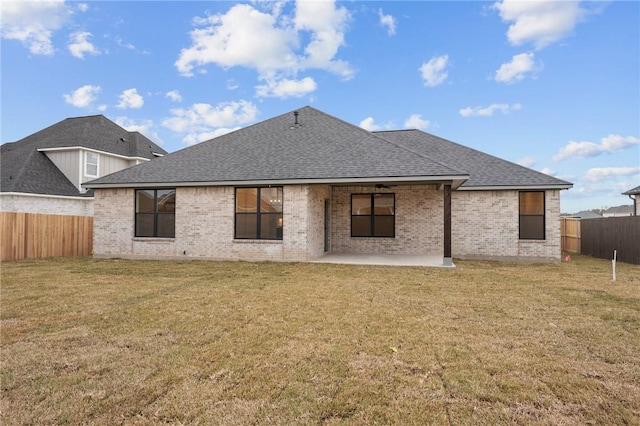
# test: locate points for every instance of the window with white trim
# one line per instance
(91, 160)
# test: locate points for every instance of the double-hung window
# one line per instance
(156, 213)
(259, 213)
(531, 214)
(373, 215)
(91, 164)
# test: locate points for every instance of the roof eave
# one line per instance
(515, 187)
(454, 180)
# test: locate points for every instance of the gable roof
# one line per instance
(485, 171)
(325, 149)
(319, 149)
(25, 169)
(633, 191)
(624, 209)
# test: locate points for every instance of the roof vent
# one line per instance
(295, 114)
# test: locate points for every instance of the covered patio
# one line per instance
(384, 260)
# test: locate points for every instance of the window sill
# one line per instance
(249, 241)
(154, 239)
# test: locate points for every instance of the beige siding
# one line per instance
(69, 163)
(106, 165)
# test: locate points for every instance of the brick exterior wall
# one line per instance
(484, 225)
(418, 215)
(205, 227)
(43, 204)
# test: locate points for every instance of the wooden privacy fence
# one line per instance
(36, 236)
(600, 237)
(570, 234)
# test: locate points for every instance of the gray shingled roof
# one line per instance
(484, 170)
(634, 191)
(324, 148)
(25, 169)
(320, 148)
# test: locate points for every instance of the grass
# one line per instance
(140, 342)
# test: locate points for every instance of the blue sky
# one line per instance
(554, 86)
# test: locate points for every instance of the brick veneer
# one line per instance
(45, 204)
(484, 225)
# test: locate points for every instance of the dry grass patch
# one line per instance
(141, 342)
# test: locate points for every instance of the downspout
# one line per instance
(635, 204)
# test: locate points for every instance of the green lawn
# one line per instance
(145, 342)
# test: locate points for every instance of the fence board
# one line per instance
(570, 234)
(36, 236)
(600, 237)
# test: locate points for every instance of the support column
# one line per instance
(447, 260)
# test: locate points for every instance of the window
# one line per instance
(156, 213)
(532, 215)
(91, 164)
(373, 215)
(259, 213)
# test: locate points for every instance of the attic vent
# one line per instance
(296, 123)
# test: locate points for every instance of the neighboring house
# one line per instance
(633, 194)
(44, 172)
(618, 211)
(584, 214)
(303, 184)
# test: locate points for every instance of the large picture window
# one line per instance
(532, 215)
(259, 213)
(156, 213)
(373, 215)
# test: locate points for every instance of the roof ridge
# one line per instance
(481, 152)
(418, 153)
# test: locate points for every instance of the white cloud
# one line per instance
(286, 88)
(517, 68)
(146, 127)
(267, 42)
(415, 121)
(130, 99)
(79, 44)
(548, 171)
(174, 95)
(326, 24)
(271, 43)
(387, 21)
(195, 138)
(33, 23)
(370, 125)
(541, 22)
(201, 121)
(598, 174)
(433, 72)
(488, 111)
(83, 7)
(527, 162)
(83, 96)
(609, 144)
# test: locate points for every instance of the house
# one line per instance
(44, 172)
(618, 211)
(584, 214)
(633, 194)
(304, 184)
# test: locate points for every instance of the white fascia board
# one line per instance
(514, 188)
(408, 180)
(82, 148)
(29, 194)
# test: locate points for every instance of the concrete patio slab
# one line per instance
(383, 259)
